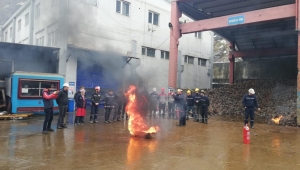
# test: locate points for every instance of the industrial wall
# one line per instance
(84, 25)
(278, 68)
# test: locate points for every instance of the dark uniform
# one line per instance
(190, 105)
(180, 107)
(204, 103)
(197, 98)
(249, 102)
(171, 106)
(62, 101)
(96, 97)
(48, 108)
(120, 100)
(153, 103)
(144, 95)
(109, 105)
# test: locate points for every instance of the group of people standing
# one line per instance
(179, 104)
(112, 102)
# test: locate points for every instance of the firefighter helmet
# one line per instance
(97, 88)
(202, 91)
(188, 92)
(196, 90)
(251, 91)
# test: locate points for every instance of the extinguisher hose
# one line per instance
(253, 132)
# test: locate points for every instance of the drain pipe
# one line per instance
(31, 29)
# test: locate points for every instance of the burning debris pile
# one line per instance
(134, 108)
(277, 99)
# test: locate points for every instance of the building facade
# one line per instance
(95, 37)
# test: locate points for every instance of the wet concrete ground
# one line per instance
(217, 145)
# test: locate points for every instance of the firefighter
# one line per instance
(189, 103)
(162, 102)
(96, 97)
(109, 105)
(153, 102)
(204, 103)
(180, 107)
(48, 108)
(62, 101)
(197, 98)
(171, 104)
(250, 102)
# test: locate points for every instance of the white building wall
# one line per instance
(101, 28)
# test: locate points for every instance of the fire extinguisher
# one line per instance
(246, 134)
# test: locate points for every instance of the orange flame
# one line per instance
(277, 120)
(136, 123)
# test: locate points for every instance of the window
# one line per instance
(143, 50)
(54, 2)
(153, 18)
(198, 35)
(37, 11)
(148, 51)
(189, 59)
(5, 36)
(26, 19)
(10, 32)
(19, 25)
(165, 55)
(202, 62)
(52, 38)
(123, 7)
(40, 41)
(31, 88)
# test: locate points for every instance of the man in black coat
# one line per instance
(109, 105)
(250, 102)
(180, 107)
(204, 103)
(120, 100)
(62, 101)
(96, 97)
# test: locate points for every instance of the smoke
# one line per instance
(104, 42)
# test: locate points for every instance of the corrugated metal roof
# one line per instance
(271, 34)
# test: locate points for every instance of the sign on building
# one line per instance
(234, 20)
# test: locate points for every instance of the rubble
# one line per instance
(275, 97)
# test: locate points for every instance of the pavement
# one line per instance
(213, 146)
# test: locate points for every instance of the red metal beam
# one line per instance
(174, 37)
(265, 52)
(274, 13)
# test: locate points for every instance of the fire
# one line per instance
(277, 120)
(136, 123)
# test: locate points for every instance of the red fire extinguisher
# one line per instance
(246, 134)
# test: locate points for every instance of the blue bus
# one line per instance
(24, 91)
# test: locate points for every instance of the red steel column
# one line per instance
(174, 36)
(298, 78)
(231, 64)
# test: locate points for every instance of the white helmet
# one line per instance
(66, 85)
(97, 88)
(154, 89)
(251, 91)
